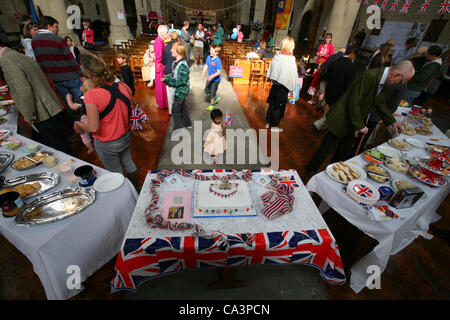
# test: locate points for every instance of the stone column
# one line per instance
(119, 28)
(141, 9)
(57, 9)
(245, 13)
(341, 21)
(260, 10)
(155, 5)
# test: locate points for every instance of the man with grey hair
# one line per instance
(348, 117)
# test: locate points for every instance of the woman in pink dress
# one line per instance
(160, 87)
(326, 49)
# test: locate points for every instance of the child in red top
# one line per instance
(315, 85)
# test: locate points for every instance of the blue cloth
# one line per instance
(214, 65)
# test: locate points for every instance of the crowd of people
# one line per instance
(53, 84)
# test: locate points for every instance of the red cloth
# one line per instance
(160, 87)
(316, 80)
(328, 49)
(116, 123)
(89, 34)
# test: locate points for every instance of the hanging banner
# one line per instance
(284, 8)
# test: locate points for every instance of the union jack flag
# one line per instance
(384, 4)
(364, 191)
(426, 4)
(289, 181)
(444, 7)
(395, 5)
(138, 117)
(143, 259)
(406, 6)
(228, 119)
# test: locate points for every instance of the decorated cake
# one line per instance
(223, 199)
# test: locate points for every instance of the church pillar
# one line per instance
(260, 10)
(341, 21)
(57, 9)
(245, 13)
(155, 5)
(119, 28)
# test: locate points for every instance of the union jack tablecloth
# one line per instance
(147, 253)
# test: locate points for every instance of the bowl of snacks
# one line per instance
(399, 144)
(374, 156)
(397, 164)
(378, 173)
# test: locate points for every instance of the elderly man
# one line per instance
(348, 117)
(34, 97)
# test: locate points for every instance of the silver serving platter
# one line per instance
(30, 156)
(47, 180)
(5, 159)
(56, 206)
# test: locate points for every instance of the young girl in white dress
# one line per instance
(215, 143)
(149, 61)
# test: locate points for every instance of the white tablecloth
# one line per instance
(393, 236)
(11, 119)
(88, 240)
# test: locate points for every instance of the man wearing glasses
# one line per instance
(347, 119)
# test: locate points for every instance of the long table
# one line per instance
(393, 236)
(82, 243)
(300, 237)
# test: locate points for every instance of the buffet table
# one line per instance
(87, 240)
(299, 237)
(392, 236)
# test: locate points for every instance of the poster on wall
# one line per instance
(193, 16)
(284, 8)
(120, 14)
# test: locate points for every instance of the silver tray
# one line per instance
(56, 206)
(31, 155)
(47, 180)
(5, 159)
(387, 175)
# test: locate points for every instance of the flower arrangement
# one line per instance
(257, 26)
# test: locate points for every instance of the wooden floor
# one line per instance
(421, 271)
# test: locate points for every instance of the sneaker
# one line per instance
(210, 107)
(216, 100)
(276, 130)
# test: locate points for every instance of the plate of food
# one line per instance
(434, 165)
(397, 164)
(429, 178)
(344, 173)
(416, 143)
(407, 129)
(30, 161)
(389, 152)
(423, 130)
(378, 173)
(31, 185)
(374, 156)
(398, 184)
(439, 152)
(399, 144)
(5, 159)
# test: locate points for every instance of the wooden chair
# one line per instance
(257, 71)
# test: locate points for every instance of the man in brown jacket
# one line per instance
(34, 97)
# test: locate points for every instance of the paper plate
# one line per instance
(428, 177)
(363, 192)
(389, 152)
(416, 143)
(108, 182)
(360, 171)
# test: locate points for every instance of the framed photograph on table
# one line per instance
(177, 206)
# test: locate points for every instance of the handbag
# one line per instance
(139, 126)
(146, 73)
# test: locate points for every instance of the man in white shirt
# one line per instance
(406, 52)
(198, 45)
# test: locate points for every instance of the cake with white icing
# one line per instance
(223, 199)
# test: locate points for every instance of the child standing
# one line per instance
(179, 80)
(214, 66)
(315, 86)
(215, 143)
(149, 61)
(85, 136)
(125, 71)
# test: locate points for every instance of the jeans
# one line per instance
(331, 143)
(211, 88)
(411, 95)
(52, 133)
(72, 87)
(180, 114)
(116, 154)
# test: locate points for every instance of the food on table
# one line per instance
(423, 131)
(428, 177)
(374, 156)
(408, 130)
(398, 165)
(376, 169)
(402, 184)
(378, 177)
(24, 189)
(418, 117)
(400, 144)
(25, 162)
(369, 158)
(378, 173)
(33, 213)
(343, 172)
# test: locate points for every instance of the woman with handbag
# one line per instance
(108, 116)
(88, 36)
